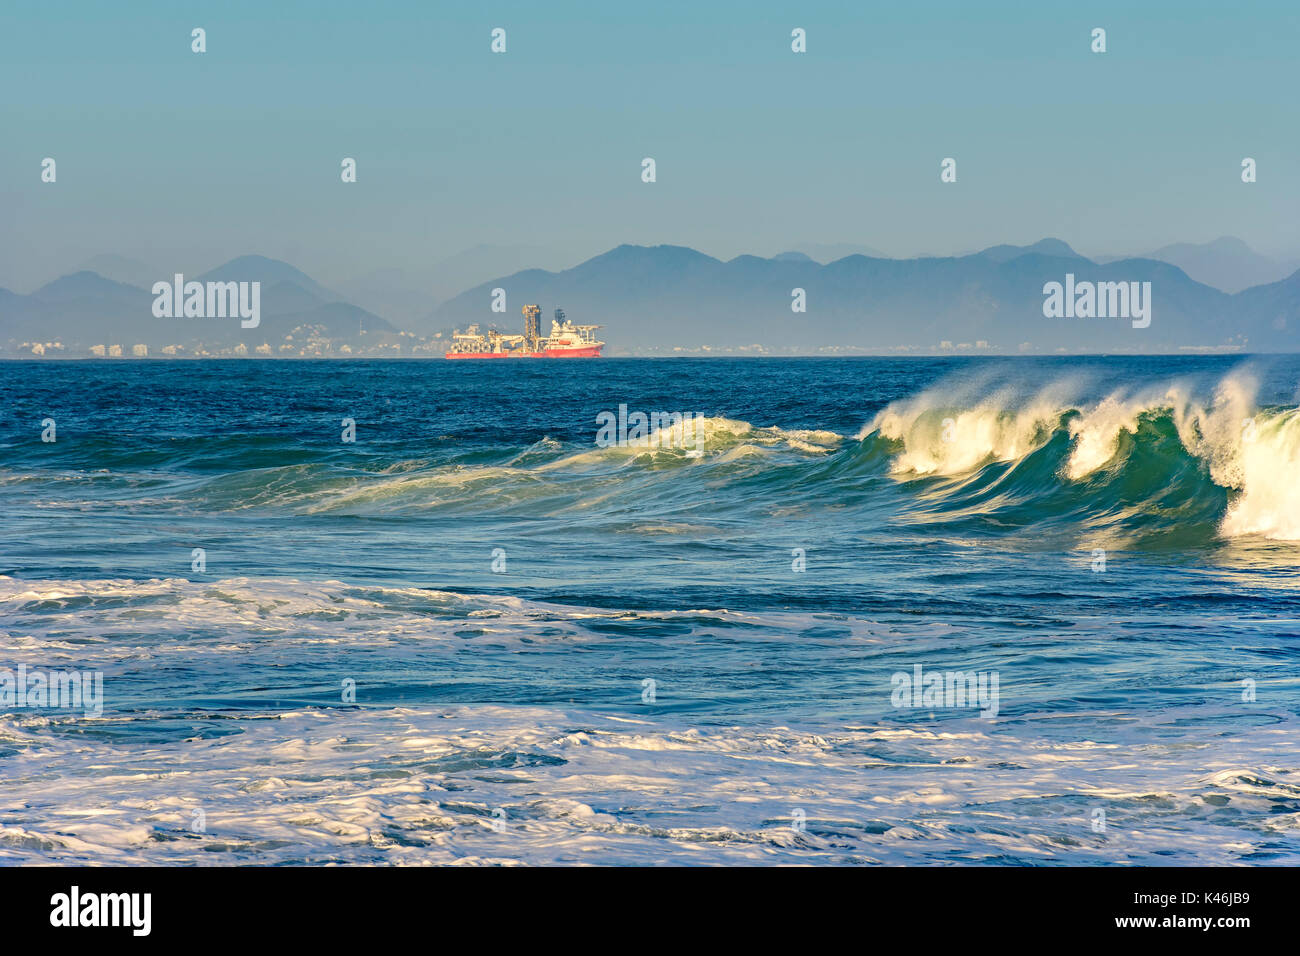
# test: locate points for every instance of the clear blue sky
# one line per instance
(190, 159)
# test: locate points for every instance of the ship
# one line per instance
(565, 341)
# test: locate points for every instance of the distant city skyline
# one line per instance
(186, 160)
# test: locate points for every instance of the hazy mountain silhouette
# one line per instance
(1226, 263)
(665, 297)
(271, 273)
(85, 309)
(1044, 247)
(408, 296)
(121, 269)
(668, 299)
(830, 251)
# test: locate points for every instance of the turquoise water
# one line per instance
(1116, 540)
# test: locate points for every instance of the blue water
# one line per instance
(1122, 566)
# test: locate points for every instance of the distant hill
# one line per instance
(85, 309)
(1226, 263)
(271, 273)
(830, 251)
(121, 269)
(1044, 247)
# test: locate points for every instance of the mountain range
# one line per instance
(669, 299)
(676, 300)
(86, 309)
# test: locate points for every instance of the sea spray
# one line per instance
(1254, 454)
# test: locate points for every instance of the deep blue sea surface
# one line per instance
(562, 652)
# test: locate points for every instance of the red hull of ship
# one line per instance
(591, 352)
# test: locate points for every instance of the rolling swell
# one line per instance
(1160, 471)
(1160, 465)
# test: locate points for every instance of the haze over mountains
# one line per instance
(666, 300)
(669, 298)
(85, 309)
(1225, 263)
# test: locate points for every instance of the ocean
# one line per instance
(1030, 611)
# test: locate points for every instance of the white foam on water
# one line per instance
(1268, 470)
(101, 623)
(500, 785)
(941, 436)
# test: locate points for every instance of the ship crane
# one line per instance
(532, 327)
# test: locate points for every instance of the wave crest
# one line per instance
(1252, 452)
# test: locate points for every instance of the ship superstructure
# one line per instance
(565, 341)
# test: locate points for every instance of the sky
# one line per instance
(186, 160)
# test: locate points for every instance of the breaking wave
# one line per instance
(1177, 461)
(1156, 449)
